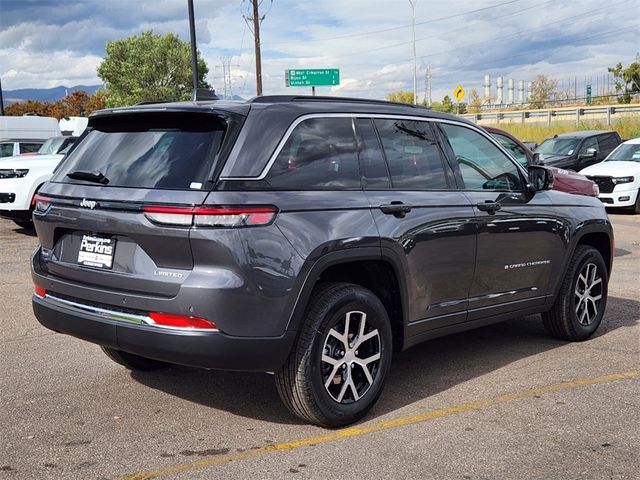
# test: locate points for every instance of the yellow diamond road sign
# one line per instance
(459, 92)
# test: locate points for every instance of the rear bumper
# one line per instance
(192, 348)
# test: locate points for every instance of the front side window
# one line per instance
(482, 165)
(319, 154)
(588, 143)
(413, 155)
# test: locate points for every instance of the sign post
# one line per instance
(315, 77)
(458, 92)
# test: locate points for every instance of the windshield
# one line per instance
(51, 146)
(628, 152)
(172, 151)
(558, 146)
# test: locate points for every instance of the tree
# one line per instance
(543, 90)
(149, 68)
(401, 96)
(78, 104)
(627, 81)
(475, 102)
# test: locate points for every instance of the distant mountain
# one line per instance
(44, 94)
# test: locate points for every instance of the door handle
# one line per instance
(397, 209)
(489, 207)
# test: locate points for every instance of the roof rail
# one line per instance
(309, 98)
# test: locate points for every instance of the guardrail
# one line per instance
(548, 115)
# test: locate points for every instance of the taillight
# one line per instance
(181, 321)
(170, 215)
(39, 291)
(225, 217)
(41, 203)
(233, 216)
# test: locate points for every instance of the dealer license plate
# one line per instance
(96, 251)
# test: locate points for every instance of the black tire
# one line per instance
(636, 208)
(301, 381)
(563, 320)
(23, 223)
(132, 361)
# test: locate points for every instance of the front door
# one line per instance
(519, 239)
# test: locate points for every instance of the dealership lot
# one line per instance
(504, 401)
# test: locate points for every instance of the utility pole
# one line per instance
(415, 68)
(1, 99)
(194, 55)
(256, 19)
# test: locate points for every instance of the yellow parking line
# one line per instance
(379, 426)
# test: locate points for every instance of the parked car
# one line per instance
(619, 176)
(577, 150)
(306, 236)
(20, 178)
(563, 180)
(25, 134)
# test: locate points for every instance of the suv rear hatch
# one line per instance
(97, 220)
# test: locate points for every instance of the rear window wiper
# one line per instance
(95, 176)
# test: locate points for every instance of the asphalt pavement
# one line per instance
(500, 402)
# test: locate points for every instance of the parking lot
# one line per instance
(504, 401)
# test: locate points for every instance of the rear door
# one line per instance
(519, 238)
(102, 219)
(423, 220)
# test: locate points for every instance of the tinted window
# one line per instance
(512, 147)
(372, 165)
(607, 143)
(482, 165)
(6, 149)
(413, 155)
(29, 147)
(174, 151)
(588, 143)
(320, 153)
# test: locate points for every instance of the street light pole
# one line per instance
(415, 68)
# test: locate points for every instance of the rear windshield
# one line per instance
(167, 150)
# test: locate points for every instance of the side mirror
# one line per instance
(590, 153)
(537, 159)
(539, 178)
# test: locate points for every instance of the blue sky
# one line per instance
(46, 43)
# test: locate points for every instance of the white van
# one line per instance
(73, 125)
(25, 134)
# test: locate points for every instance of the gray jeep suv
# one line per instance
(307, 236)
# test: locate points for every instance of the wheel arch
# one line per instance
(374, 268)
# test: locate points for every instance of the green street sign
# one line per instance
(315, 77)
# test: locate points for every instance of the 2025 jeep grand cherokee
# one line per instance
(307, 236)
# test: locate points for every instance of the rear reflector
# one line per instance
(211, 216)
(181, 321)
(39, 291)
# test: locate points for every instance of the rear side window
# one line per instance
(414, 158)
(320, 153)
(607, 143)
(171, 150)
(372, 164)
(29, 147)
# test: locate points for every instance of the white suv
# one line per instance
(20, 179)
(618, 176)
